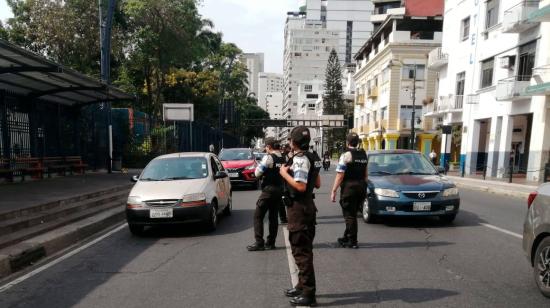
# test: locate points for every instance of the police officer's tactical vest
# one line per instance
(315, 168)
(356, 169)
(271, 175)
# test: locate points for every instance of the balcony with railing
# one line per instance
(437, 58)
(512, 88)
(540, 15)
(373, 92)
(540, 82)
(516, 19)
(360, 100)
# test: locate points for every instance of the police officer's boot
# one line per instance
(304, 301)
(255, 247)
(294, 292)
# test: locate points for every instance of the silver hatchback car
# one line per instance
(536, 236)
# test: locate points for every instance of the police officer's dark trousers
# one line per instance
(352, 197)
(268, 203)
(301, 226)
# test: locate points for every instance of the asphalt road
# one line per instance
(400, 263)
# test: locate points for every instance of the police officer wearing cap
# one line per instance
(301, 174)
(270, 198)
(351, 178)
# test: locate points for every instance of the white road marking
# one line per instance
(61, 258)
(291, 262)
(503, 230)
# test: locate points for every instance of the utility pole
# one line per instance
(105, 26)
(222, 99)
(413, 119)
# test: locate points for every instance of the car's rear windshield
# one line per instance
(236, 154)
(175, 168)
(399, 163)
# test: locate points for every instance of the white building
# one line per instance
(307, 48)
(494, 71)
(274, 106)
(350, 18)
(255, 64)
(268, 82)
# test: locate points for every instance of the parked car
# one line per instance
(240, 164)
(536, 236)
(406, 183)
(179, 188)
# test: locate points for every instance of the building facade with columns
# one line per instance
(494, 82)
(391, 67)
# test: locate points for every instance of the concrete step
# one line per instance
(26, 233)
(31, 251)
(57, 212)
(12, 214)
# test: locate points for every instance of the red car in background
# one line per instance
(240, 164)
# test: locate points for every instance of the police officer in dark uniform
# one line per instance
(270, 198)
(351, 178)
(301, 175)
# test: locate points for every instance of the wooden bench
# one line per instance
(6, 171)
(76, 164)
(55, 165)
(29, 166)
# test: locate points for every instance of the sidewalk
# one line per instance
(19, 196)
(501, 187)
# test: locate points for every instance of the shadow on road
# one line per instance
(407, 295)
(384, 245)
(463, 219)
(238, 221)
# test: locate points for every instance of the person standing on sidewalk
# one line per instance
(270, 198)
(433, 156)
(301, 174)
(351, 178)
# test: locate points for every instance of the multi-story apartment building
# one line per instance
(494, 73)
(392, 79)
(307, 48)
(274, 104)
(350, 18)
(255, 65)
(268, 82)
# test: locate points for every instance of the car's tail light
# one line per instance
(531, 198)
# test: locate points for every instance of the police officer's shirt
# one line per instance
(343, 162)
(266, 163)
(300, 167)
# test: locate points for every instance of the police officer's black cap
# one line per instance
(272, 142)
(301, 136)
(352, 139)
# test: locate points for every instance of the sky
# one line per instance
(254, 25)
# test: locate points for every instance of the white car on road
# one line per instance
(179, 188)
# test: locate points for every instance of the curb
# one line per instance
(26, 253)
(497, 191)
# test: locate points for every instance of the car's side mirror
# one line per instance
(441, 170)
(220, 175)
(135, 178)
(258, 158)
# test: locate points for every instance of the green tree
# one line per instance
(334, 95)
(333, 99)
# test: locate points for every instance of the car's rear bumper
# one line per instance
(405, 207)
(140, 216)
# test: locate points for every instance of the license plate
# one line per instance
(422, 206)
(233, 175)
(161, 213)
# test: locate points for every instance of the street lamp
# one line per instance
(222, 97)
(413, 97)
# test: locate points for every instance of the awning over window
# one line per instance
(28, 74)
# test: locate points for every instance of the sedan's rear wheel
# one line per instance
(212, 222)
(136, 230)
(367, 216)
(541, 269)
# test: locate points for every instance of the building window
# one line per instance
(460, 83)
(491, 16)
(487, 72)
(308, 88)
(311, 96)
(408, 72)
(465, 28)
(383, 112)
(349, 39)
